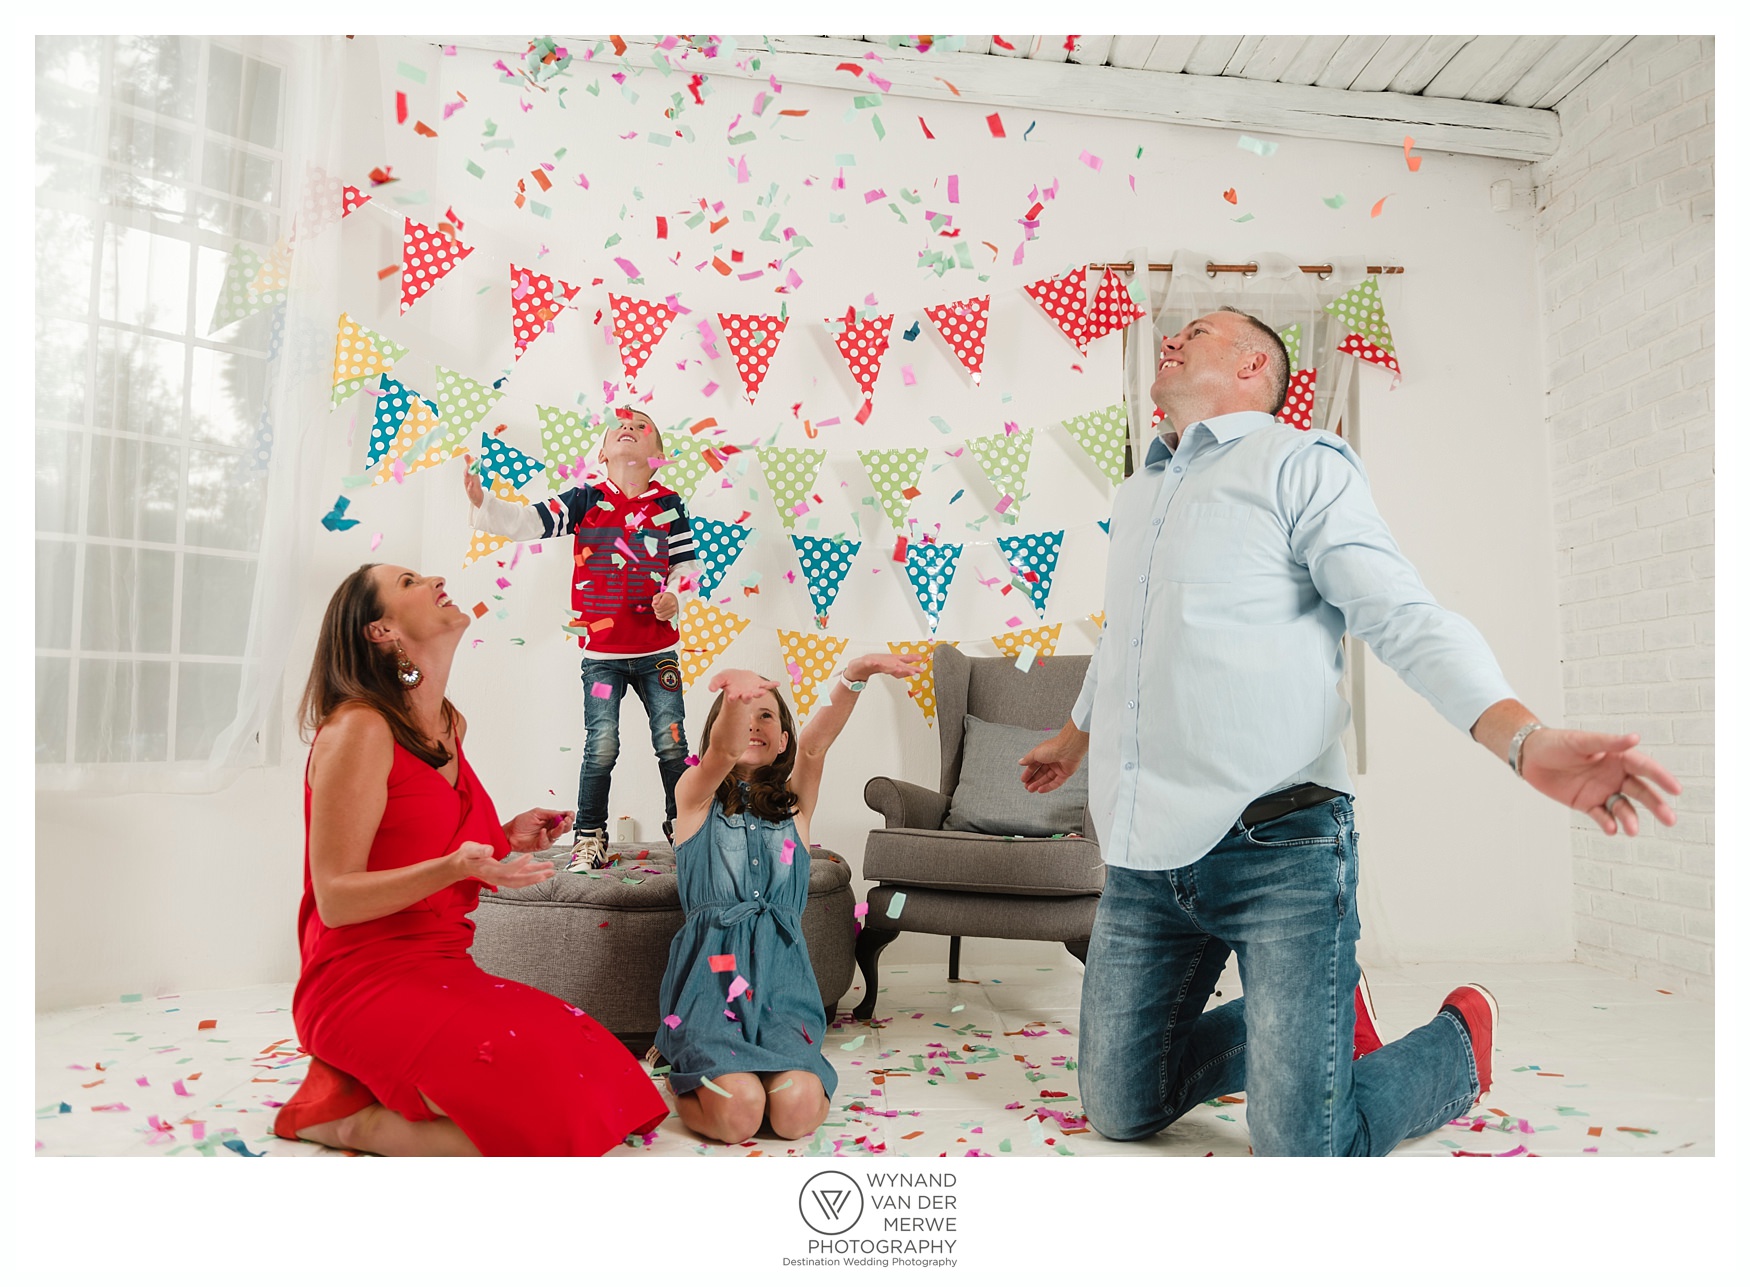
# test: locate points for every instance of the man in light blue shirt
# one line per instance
(1241, 553)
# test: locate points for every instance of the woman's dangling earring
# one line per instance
(411, 676)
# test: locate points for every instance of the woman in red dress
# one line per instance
(416, 1051)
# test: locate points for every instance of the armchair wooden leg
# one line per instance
(954, 959)
(1078, 948)
(870, 944)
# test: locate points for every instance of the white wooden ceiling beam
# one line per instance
(1608, 48)
(1510, 70)
(1210, 57)
(1310, 63)
(1131, 51)
(1349, 61)
(1171, 53)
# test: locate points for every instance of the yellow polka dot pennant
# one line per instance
(360, 355)
(922, 686)
(706, 630)
(421, 425)
(809, 660)
(1042, 640)
(480, 544)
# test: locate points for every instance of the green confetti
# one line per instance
(1336, 202)
(855, 1043)
(1245, 218)
(475, 170)
(411, 72)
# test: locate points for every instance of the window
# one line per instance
(156, 155)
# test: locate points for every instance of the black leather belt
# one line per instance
(1282, 803)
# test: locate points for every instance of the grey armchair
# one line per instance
(966, 883)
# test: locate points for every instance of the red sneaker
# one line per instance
(1476, 1008)
(1366, 1020)
(326, 1095)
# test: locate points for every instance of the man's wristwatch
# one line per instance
(855, 685)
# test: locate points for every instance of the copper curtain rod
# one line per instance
(1322, 270)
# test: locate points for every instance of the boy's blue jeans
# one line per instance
(1281, 897)
(657, 681)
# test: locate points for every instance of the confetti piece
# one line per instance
(1380, 205)
(995, 121)
(239, 1147)
(783, 1085)
(602, 691)
(207, 1023)
(1336, 203)
(1091, 161)
(672, 1020)
(1259, 146)
(711, 1085)
(1231, 196)
(896, 906)
(855, 1043)
(722, 964)
(737, 987)
(1414, 162)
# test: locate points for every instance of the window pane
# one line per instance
(69, 176)
(134, 488)
(124, 712)
(226, 395)
(139, 383)
(261, 118)
(206, 702)
(65, 119)
(51, 709)
(60, 369)
(64, 249)
(58, 452)
(158, 73)
(54, 593)
(120, 186)
(215, 604)
(243, 174)
(144, 280)
(161, 151)
(75, 61)
(127, 600)
(225, 500)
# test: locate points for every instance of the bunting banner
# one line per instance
(394, 401)
(1041, 640)
(809, 660)
(1362, 313)
(1101, 435)
(498, 459)
(1004, 457)
(1368, 351)
(1114, 307)
(566, 438)
(639, 326)
(681, 472)
(535, 300)
(962, 324)
(1034, 559)
(1099, 620)
(719, 544)
(426, 259)
(706, 630)
(825, 562)
(1297, 408)
(237, 297)
(1065, 301)
(929, 566)
(463, 403)
(894, 472)
(419, 428)
(862, 345)
(1290, 336)
(753, 341)
(790, 473)
(480, 544)
(274, 277)
(360, 355)
(923, 684)
(351, 199)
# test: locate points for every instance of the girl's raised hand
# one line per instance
(740, 685)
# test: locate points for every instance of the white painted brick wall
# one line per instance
(1626, 267)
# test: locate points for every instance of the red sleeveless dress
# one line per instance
(399, 1003)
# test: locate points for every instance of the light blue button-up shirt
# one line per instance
(1237, 563)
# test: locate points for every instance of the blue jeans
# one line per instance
(1281, 897)
(657, 681)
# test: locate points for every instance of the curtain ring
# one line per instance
(1251, 273)
(1209, 265)
(1325, 277)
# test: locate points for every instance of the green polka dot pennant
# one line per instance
(1291, 341)
(237, 297)
(359, 355)
(825, 561)
(1362, 313)
(1004, 458)
(684, 469)
(790, 473)
(893, 473)
(930, 569)
(462, 402)
(1101, 435)
(1034, 559)
(498, 459)
(719, 544)
(565, 436)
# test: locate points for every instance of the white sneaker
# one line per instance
(590, 851)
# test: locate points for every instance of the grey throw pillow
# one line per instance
(989, 797)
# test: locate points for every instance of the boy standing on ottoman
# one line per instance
(634, 565)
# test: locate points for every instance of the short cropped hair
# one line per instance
(1264, 339)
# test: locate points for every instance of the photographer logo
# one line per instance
(831, 1203)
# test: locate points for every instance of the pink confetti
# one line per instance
(1012, 622)
(628, 267)
(789, 849)
(1091, 161)
(376, 540)
(602, 691)
(737, 987)
(672, 1020)
(860, 910)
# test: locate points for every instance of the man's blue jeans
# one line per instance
(1281, 897)
(657, 681)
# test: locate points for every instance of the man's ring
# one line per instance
(1610, 801)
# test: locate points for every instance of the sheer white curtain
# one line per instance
(182, 278)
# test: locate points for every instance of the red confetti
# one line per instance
(400, 107)
(995, 121)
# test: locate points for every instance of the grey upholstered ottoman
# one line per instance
(599, 939)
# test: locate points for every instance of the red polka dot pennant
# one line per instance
(1065, 301)
(962, 324)
(1113, 308)
(427, 256)
(535, 300)
(862, 344)
(1297, 410)
(639, 326)
(1368, 351)
(351, 199)
(753, 340)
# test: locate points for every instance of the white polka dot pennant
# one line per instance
(498, 459)
(825, 562)
(790, 473)
(929, 567)
(535, 300)
(565, 437)
(862, 345)
(1368, 335)
(1065, 301)
(360, 354)
(1291, 341)
(480, 544)
(1033, 558)
(962, 324)
(427, 255)
(394, 400)
(719, 544)
(1004, 458)
(639, 325)
(1297, 408)
(894, 472)
(1114, 307)
(922, 688)
(1101, 434)
(809, 660)
(706, 630)
(237, 296)
(684, 469)
(463, 403)
(753, 342)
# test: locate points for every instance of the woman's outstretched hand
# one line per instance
(740, 685)
(518, 870)
(536, 829)
(899, 665)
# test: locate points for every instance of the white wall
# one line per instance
(1625, 251)
(1461, 861)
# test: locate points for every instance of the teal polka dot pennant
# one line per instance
(825, 563)
(498, 459)
(719, 544)
(930, 569)
(1034, 558)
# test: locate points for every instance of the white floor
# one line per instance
(1586, 1064)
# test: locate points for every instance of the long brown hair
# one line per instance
(349, 668)
(768, 795)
